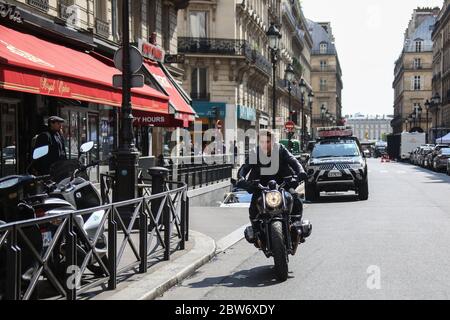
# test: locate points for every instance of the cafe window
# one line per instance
(8, 136)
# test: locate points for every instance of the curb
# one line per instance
(156, 284)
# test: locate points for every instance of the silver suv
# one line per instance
(337, 164)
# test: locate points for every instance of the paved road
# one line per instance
(401, 234)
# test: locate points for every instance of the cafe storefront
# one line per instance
(39, 78)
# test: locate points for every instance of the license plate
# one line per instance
(47, 239)
(335, 174)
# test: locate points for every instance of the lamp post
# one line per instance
(436, 102)
(303, 91)
(410, 120)
(310, 101)
(289, 77)
(323, 110)
(406, 123)
(274, 36)
(427, 108)
(126, 157)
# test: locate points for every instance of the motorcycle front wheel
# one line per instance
(280, 255)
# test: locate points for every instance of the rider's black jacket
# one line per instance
(286, 165)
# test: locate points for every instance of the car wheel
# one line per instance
(363, 192)
(311, 193)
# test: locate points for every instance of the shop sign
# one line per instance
(52, 86)
(246, 113)
(9, 11)
(151, 51)
(147, 119)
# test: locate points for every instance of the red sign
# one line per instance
(148, 119)
(335, 133)
(290, 126)
(150, 51)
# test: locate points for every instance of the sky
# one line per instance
(369, 38)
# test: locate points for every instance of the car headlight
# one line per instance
(357, 166)
(273, 199)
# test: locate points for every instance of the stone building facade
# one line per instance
(370, 128)
(326, 74)
(228, 63)
(413, 74)
(441, 73)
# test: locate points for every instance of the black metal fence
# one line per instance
(162, 222)
(201, 171)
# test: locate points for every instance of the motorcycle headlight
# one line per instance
(273, 199)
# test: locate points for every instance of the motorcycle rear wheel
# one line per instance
(280, 255)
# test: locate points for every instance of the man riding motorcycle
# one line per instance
(271, 162)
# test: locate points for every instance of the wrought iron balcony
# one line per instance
(101, 28)
(227, 47)
(328, 51)
(202, 96)
(324, 69)
(42, 5)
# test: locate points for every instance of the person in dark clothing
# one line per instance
(57, 146)
(281, 166)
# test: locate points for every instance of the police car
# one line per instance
(337, 164)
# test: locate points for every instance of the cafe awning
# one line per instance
(31, 64)
(181, 108)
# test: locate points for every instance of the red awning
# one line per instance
(183, 109)
(31, 64)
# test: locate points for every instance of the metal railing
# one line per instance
(201, 171)
(232, 47)
(162, 221)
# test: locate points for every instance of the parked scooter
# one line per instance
(75, 192)
(17, 195)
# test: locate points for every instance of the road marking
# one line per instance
(384, 171)
(231, 239)
(401, 172)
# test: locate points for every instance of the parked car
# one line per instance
(441, 160)
(413, 156)
(424, 151)
(448, 167)
(240, 199)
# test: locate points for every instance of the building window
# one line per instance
(323, 48)
(323, 65)
(166, 34)
(417, 83)
(151, 16)
(199, 78)
(198, 24)
(136, 12)
(419, 46)
(417, 63)
(323, 85)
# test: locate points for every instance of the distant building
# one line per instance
(413, 73)
(370, 128)
(326, 75)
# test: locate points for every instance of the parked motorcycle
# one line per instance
(277, 235)
(75, 192)
(17, 195)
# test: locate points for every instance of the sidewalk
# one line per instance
(213, 230)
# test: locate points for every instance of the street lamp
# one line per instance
(289, 76)
(427, 108)
(311, 101)
(436, 102)
(274, 36)
(323, 110)
(302, 91)
(126, 156)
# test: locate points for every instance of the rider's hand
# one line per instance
(302, 177)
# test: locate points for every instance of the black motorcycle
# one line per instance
(278, 233)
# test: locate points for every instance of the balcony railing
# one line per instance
(329, 51)
(39, 4)
(101, 28)
(324, 69)
(423, 48)
(228, 47)
(204, 96)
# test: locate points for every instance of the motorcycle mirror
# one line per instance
(86, 147)
(40, 152)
